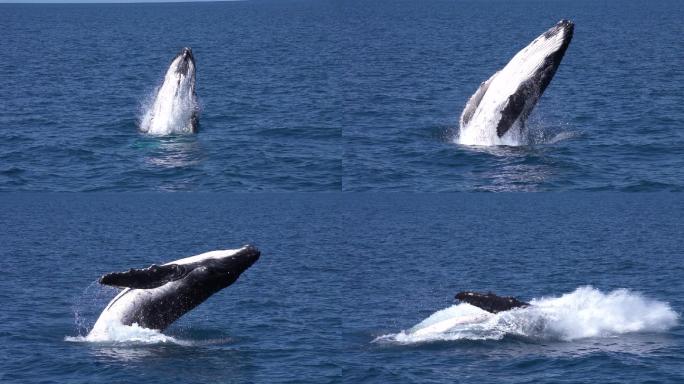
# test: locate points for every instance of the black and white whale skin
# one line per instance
(156, 296)
(490, 302)
(175, 108)
(496, 113)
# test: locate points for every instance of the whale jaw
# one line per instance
(497, 112)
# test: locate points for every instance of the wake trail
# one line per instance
(584, 313)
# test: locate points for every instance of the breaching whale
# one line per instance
(174, 108)
(496, 113)
(490, 302)
(156, 296)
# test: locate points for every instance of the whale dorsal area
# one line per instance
(490, 302)
(146, 278)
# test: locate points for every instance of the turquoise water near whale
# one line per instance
(343, 281)
(337, 95)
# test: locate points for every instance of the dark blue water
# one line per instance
(351, 287)
(611, 118)
(76, 77)
(338, 271)
(330, 95)
(278, 322)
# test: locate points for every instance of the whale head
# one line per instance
(184, 62)
(182, 70)
(219, 268)
(508, 97)
(224, 270)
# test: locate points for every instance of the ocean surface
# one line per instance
(77, 79)
(337, 95)
(352, 288)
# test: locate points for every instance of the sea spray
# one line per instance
(585, 312)
(90, 303)
(130, 334)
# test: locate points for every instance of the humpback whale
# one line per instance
(174, 108)
(490, 302)
(156, 296)
(496, 113)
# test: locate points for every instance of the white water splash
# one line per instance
(537, 131)
(110, 330)
(116, 333)
(484, 135)
(173, 108)
(583, 313)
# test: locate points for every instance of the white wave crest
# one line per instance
(583, 313)
(115, 332)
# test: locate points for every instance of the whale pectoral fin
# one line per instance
(145, 278)
(490, 302)
(513, 109)
(474, 101)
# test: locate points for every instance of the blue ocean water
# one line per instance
(275, 324)
(77, 76)
(342, 277)
(610, 119)
(337, 95)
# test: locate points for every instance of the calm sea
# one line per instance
(343, 281)
(337, 95)
(351, 96)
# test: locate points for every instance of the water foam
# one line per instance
(118, 333)
(481, 135)
(537, 131)
(584, 313)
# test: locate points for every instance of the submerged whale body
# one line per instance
(156, 296)
(490, 302)
(496, 113)
(174, 108)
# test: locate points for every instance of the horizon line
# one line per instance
(117, 2)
